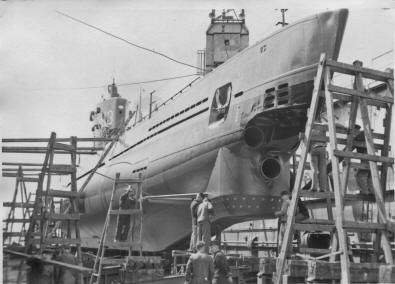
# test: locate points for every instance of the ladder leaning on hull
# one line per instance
(108, 241)
(359, 99)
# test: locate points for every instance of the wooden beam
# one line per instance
(361, 94)
(367, 157)
(18, 204)
(15, 170)
(345, 98)
(62, 217)
(343, 141)
(49, 261)
(63, 193)
(126, 212)
(354, 70)
(346, 131)
(24, 149)
(55, 152)
(304, 145)
(46, 140)
(388, 196)
(22, 164)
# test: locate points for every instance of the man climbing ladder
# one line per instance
(129, 223)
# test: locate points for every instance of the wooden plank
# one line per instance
(388, 194)
(363, 226)
(17, 220)
(354, 70)
(14, 170)
(343, 141)
(346, 131)
(22, 164)
(346, 99)
(15, 175)
(63, 193)
(62, 217)
(337, 187)
(328, 225)
(122, 245)
(313, 251)
(316, 194)
(28, 179)
(368, 157)
(28, 149)
(56, 152)
(46, 260)
(46, 140)
(12, 234)
(18, 204)
(125, 212)
(61, 169)
(62, 146)
(361, 94)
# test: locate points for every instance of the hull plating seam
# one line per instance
(160, 131)
(178, 113)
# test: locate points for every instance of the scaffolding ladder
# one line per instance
(107, 240)
(99, 164)
(38, 238)
(338, 226)
(21, 200)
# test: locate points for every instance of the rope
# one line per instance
(129, 42)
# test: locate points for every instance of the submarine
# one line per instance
(230, 134)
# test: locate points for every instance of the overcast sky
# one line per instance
(45, 56)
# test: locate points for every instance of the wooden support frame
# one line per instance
(359, 101)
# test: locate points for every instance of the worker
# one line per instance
(38, 272)
(126, 201)
(135, 218)
(363, 176)
(204, 214)
(194, 207)
(63, 275)
(200, 267)
(222, 273)
(318, 157)
(282, 215)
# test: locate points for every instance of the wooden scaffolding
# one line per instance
(43, 217)
(19, 213)
(373, 154)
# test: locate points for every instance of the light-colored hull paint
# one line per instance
(193, 156)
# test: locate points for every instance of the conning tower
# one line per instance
(110, 114)
(226, 36)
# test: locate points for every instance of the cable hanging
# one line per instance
(129, 42)
(122, 84)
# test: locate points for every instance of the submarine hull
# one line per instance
(193, 146)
